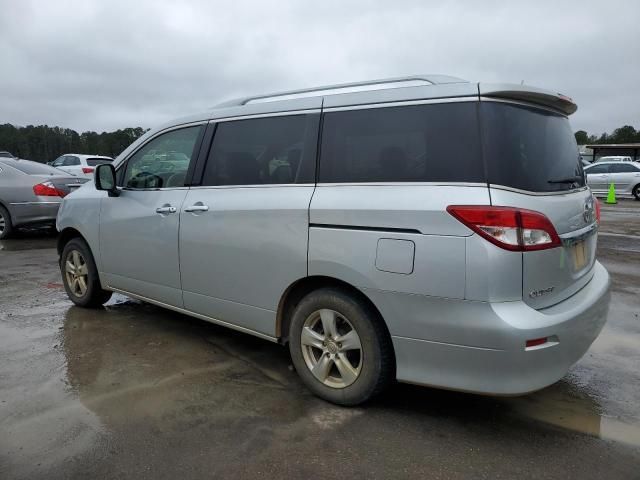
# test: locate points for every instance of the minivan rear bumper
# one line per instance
(504, 366)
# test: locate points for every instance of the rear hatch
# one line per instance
(532, 163)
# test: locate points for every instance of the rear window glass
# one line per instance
(419, 143)
(529, 148)
(94, 162)
(32, 168)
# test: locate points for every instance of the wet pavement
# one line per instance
(133, 390)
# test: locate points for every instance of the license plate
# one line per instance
(579, 254)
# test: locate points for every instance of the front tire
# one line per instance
(6, 227)
(636, 191)
(340, 347)
(80, 275)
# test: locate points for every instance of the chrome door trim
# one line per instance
(265, 115)
(402, 184)
(161, 189)
(538, 194)
(257, 185)
(193, 314)
(572, 238)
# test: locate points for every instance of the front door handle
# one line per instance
(197, 207)
(166, 209)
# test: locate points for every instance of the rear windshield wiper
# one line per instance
(565, 180)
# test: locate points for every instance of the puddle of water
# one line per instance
(43, 423)
(561, 410)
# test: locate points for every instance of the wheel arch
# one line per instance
(67, 234)
(300, 288)
(4, 205)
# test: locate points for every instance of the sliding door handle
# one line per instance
(197, 207)
(166, 209)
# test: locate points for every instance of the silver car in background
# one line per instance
(625, 176)
(424, 229)
(30, 193)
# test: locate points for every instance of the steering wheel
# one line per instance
(151, 180)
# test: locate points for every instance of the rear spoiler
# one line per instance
(525, 93)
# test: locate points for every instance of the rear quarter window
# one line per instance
(414, 143)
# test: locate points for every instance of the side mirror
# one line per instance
(105, 179)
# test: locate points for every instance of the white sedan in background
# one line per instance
(624, 175)
(80, 165)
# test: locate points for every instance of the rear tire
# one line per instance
(80, 275)
(636, 191)
(340, 347)
(6, 227)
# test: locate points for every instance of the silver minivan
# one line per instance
(423, 229)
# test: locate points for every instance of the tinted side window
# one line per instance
(622, 168)
(598, 169)
(163, 161)
(419, 143)
(272, 150)
(71, 161)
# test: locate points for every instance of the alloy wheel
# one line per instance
(2, 224)
(76, 273)
(331, 348)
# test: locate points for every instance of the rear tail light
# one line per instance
(87, 169)
(47, 189)
(514, 229)
(597, 206)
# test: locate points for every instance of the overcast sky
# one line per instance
(108, 64)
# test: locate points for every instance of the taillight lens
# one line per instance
(597, 206)
(47, 189)
(87, 169)
(510, 228)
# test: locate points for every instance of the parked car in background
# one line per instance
(5, 154)
(614, 158)
(80, 165)
(624, 175)
(433, 231)
(30, 193)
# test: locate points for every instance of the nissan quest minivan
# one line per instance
(425, 229)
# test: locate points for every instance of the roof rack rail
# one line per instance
(394, 82)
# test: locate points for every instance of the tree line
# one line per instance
(43, 143)
(626, 134)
